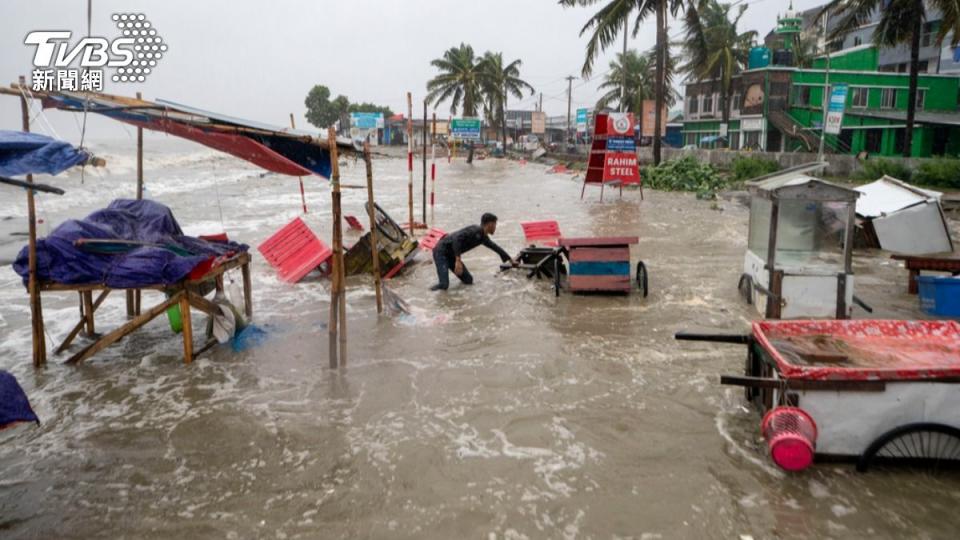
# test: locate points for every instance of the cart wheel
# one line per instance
(642, 278)
(556, 276)
(745, 286)
(926, 446)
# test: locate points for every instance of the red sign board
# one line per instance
(620, 124)
(621, 166)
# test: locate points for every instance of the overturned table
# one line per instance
(948, 261)
(186, 293)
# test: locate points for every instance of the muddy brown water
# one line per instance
(493, 411)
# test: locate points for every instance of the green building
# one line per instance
(777, 107)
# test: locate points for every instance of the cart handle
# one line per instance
(735, 339)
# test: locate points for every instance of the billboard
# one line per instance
(366, 120)
(582, 120)
(838, 101)
(621, 166)
(539, 123)
(650, 118)
(466, 128)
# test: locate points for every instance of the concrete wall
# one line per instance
(840, 165)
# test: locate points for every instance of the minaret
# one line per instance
(789, 26)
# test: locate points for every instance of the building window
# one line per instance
(859, 97)
(923, 66)
(694, 104)
(751, 140)
(734, 139)
(926, 34)
(888, 98)
(801, 96)
(899, 136)
(857, 41)
(735, 104)
(708, 104)
(921, 98)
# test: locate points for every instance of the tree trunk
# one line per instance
(912, 91)
(503, 120)
(661, 59)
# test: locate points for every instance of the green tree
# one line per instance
(713, 48)
(499, 81)
(321, 111)
(607, 23)
(901, 22)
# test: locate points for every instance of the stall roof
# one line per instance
(794, 185)
(888, 195)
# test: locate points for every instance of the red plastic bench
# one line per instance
(541, 232)
(428, 242)
(294, 251)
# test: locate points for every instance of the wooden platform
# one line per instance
(186, 294)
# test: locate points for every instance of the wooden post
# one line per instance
(773, 284)
(87, 298)
(338, 324)
(374, 243)
(303, 196)
(133, 295)
(410, 159)
(187, 328)
(424, 185)
(36, 310)
(433, 164)
(247, 289)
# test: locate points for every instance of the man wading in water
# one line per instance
(446, 254)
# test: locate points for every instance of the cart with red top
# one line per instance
(875, 391)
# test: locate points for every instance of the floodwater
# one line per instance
(493, 411)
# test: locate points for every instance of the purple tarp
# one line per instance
(168, 260)
(31, 153)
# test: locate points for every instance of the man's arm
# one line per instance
(493, 246)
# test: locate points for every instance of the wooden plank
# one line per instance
(79, 326)
(599, 241)
(600, 268)
(599, 283)
(125, 329)
(187, 328)
(247, 289)
(803, 384)
(600, 254)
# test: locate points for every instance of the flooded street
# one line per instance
(493, 411)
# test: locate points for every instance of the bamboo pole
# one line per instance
(374, 243)
(433, 164)
(337, 324)
(410, 159)
(303, 196)
(424, 185)
(133, 295)
(36, 310)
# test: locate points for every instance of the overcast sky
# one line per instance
(257, 59)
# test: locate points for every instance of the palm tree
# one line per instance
(613, 18)
(638, 72)
(459, 81)
(498, 82)
(713, 48)
(901, 21)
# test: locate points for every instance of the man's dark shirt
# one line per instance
(467, 238)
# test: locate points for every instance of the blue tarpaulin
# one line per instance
(14, 406)
(31, 153)
(152, 249)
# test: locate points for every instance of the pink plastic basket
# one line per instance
(791, 436)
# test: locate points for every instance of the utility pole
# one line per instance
(623, 67)
(540, 108)
(570, 79)
(826, 91)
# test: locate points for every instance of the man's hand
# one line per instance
(514, 263)
(458, 267)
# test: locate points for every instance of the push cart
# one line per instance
(593, 265)
(872, 391)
